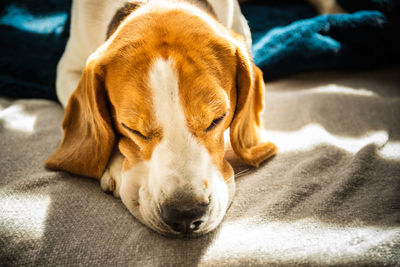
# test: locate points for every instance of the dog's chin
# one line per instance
(148, 212)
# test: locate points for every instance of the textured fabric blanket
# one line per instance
(288, 35)
(330, 196)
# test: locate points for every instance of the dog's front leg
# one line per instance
(110, 182)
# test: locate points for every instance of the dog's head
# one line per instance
(164, 88)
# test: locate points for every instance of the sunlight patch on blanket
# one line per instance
(15, 118)
(303, 239)
(24, 214)
(337, 89)
(314, 134)
(391, 151)
(22, 19)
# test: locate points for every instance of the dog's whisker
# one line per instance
(241, 173)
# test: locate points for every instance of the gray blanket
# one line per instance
(330, 197)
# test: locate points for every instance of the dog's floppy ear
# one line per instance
(246, 124)
(88, 135)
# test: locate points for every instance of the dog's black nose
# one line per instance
(184, 220)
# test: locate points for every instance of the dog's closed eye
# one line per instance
(136, 132)
(214, 123)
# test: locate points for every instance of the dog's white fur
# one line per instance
(178, 162)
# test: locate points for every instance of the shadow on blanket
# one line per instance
(329, 197)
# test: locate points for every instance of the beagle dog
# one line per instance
(150, 88)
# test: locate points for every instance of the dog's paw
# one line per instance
(111, 180)
(108, 183)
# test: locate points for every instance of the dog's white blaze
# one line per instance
(178, 162)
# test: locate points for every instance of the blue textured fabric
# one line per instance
(32, 38)
(291, 38)
(288, 38)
